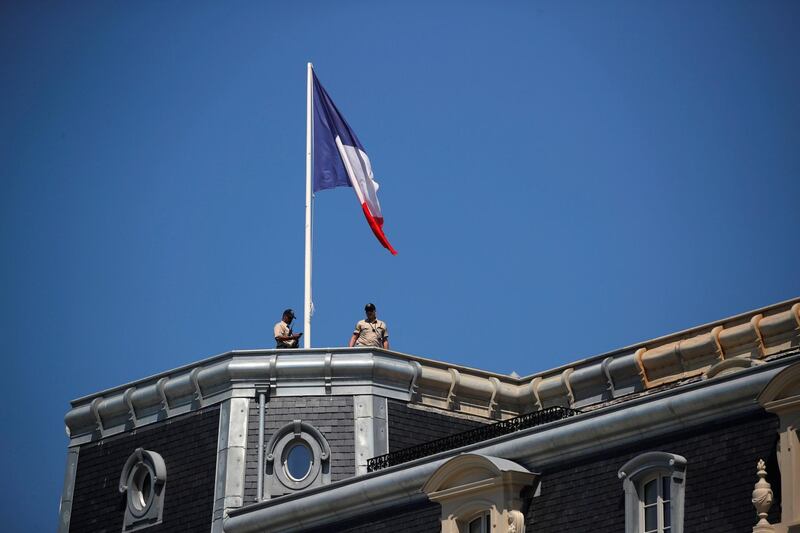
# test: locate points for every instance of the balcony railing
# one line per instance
(479, 434)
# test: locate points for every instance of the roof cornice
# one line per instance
(747, 337)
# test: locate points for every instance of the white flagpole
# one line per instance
(308, 305)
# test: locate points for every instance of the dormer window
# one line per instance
(481, 494)
(654, 484)
(298, 457)
(143, 481)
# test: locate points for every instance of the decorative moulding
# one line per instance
(730, 366)
(471, 485)
(354, 371)
(781, 396)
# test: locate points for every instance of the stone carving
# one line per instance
(472, 484)
(516, 522)
(762, 500)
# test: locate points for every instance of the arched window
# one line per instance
(654, 485)
(654, 504)
(481, 523)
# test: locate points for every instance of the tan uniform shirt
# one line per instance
(371, 333)
(282, 329)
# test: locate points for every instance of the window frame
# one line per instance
(278, 479)
(287, 453)
(485, 518)
(658, 476)
(637, 473)
(143, 482)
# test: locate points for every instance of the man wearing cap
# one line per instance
(283, 332)
(370, 332)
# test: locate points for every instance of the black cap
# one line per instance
(288, 312)
(369, 307)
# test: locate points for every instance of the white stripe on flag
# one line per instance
(359, 170)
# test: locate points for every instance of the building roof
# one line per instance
(709, 350)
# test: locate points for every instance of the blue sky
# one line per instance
(559, 178)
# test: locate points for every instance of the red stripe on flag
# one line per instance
(377, 228)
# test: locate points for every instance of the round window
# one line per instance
(141, 488)
(299, 460)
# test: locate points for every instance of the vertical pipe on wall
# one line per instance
(260, 489)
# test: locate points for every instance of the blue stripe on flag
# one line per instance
(329, 171)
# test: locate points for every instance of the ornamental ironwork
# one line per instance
(472, 436)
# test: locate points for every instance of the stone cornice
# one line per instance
(336, 371)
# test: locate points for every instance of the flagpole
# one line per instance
(307, 304)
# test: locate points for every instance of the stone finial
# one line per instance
(762, 500)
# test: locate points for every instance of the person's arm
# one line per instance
(284, 338)
(386, 343)
(354, 338)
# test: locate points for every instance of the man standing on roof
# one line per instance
(370, 332)
(283, 332)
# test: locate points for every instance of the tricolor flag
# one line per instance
(340, 160)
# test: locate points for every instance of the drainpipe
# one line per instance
(260, 489)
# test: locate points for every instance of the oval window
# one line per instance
(299, 460)
(141, 488)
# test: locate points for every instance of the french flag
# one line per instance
(341, 161)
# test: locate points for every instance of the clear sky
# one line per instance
(559, 178)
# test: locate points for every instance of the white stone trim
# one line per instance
(781, 396)
(231, 455)
(470, 485)
(68, 491)
(370, 426)
(643, 467)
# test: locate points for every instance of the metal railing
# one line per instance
(489, 431)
